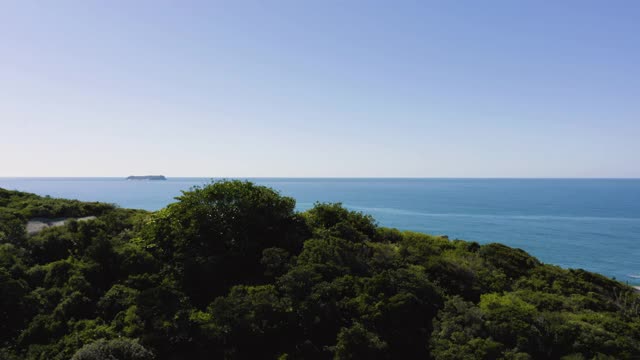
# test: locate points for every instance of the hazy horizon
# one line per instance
(123, 177)
(330, 89)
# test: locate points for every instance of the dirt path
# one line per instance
(36, 225)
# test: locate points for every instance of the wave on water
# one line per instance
(491, 216)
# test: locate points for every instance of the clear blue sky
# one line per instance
(320, 88)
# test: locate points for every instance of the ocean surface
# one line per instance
(593, 224)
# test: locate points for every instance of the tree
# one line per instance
(356, 342)
(333, 219)
(13, 305)
(117, 349)
(460, 334)
(213, 237)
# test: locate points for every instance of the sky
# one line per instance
(320, 88)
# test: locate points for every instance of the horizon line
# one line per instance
(339, 177)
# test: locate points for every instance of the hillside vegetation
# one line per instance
(232, 271)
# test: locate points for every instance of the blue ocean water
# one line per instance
(592, 224)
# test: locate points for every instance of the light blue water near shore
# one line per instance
(592, 224)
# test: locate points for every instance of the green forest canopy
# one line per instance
(232, 271)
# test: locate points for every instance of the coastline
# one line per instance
(568, 233)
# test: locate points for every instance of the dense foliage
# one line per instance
(232, 271)
(17, 207)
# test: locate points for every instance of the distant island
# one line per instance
(147, 177)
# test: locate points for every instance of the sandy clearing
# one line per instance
(36, 225)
